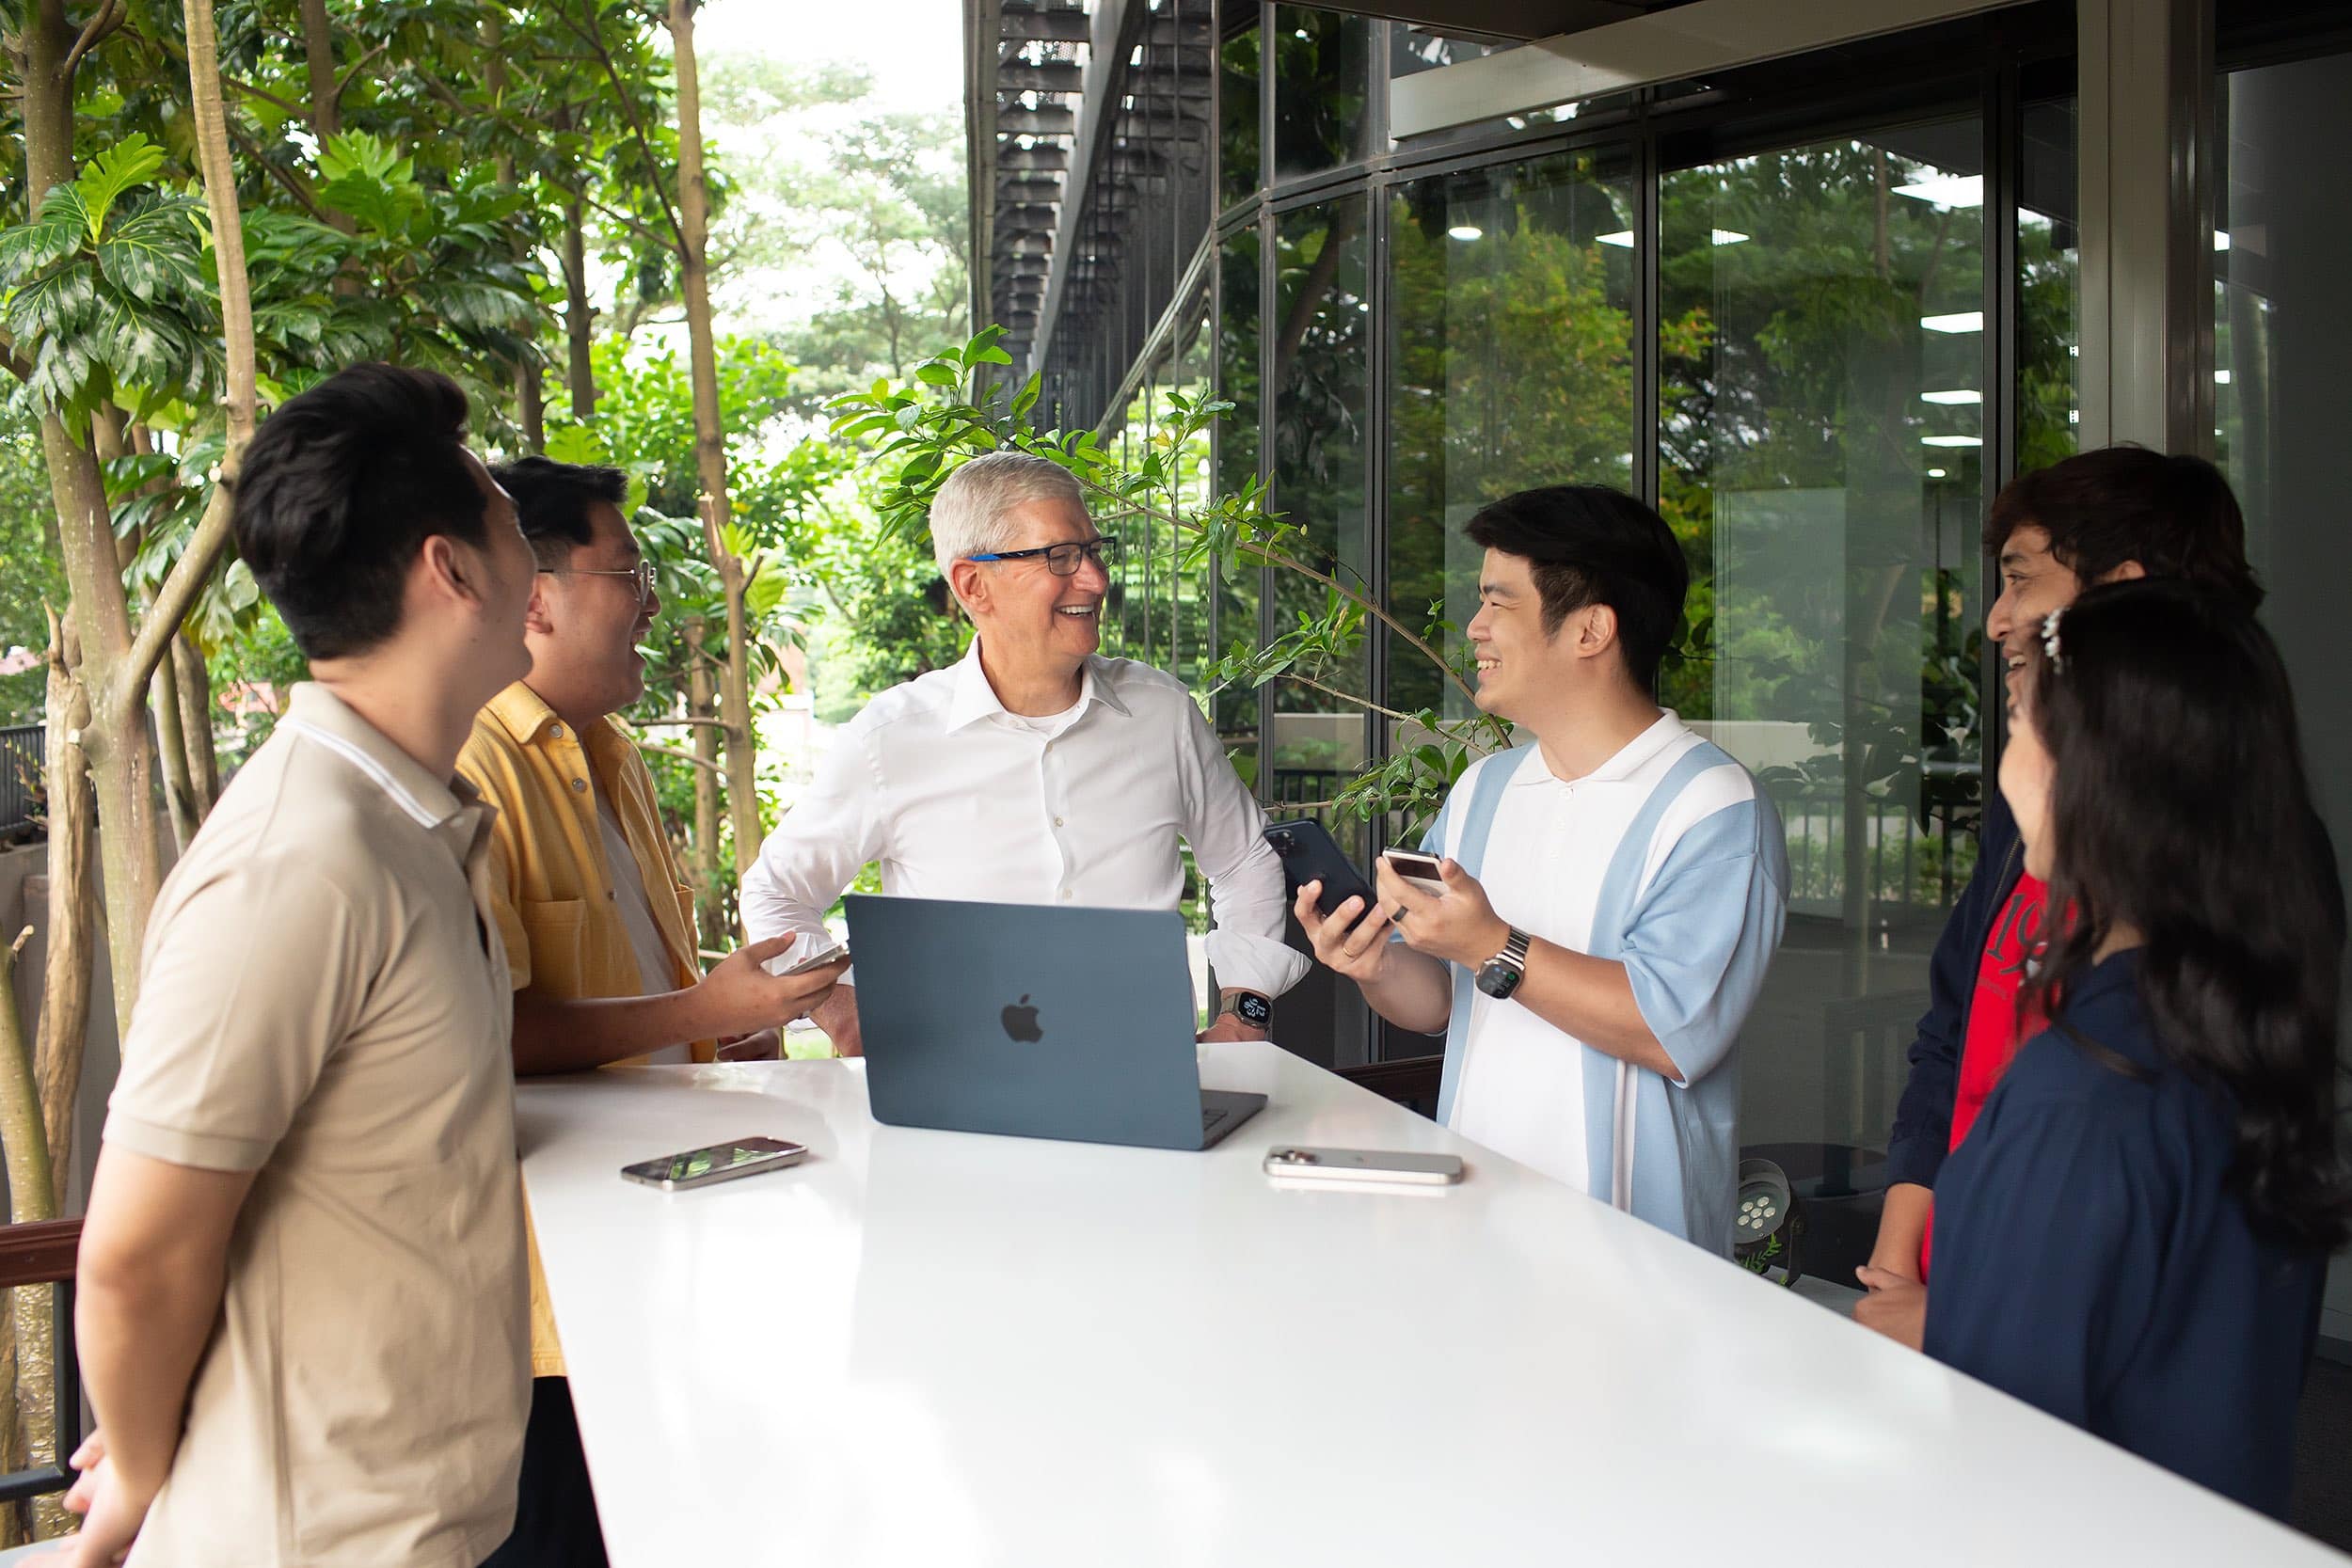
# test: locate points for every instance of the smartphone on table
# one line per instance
(1308, 854)
(1365, 1167)
(1417, 869)
(726, 1161)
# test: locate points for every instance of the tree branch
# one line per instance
(594, 37)
(1269, 556)
(251, 91)
(173, 601)
(284, 177)
(657, 723)
(677, 755)
(111, 16)
(343, 84)
(1343, 696)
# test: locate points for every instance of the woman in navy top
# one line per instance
(2135, 1234)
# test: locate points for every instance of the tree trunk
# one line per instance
(531, 405)
(711, 452)
(579, 316)
(318, 54)
(72, 908)
(32, 1308)
(709, 895)
(171, 742)
(195, 723)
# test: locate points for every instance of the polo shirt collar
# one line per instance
(1628, 760)
(315, 711)
(520, 712)
(974, 699)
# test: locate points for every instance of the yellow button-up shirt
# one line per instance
(552, 891)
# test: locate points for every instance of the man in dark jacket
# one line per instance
(2100, 516)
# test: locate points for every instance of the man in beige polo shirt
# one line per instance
(302, 1315)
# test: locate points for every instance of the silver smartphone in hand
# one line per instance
(726, 1161)
(1370, 1166)
(1417, 869)
(837, 953)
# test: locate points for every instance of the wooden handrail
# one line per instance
(39, 1252)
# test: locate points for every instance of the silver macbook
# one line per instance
(1034, 1021)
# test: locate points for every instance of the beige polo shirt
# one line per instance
(324, 1001)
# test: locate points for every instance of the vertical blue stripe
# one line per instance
(1494, 776)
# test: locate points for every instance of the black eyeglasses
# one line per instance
(642, 571)
(1061, 560)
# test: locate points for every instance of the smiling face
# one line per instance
(1021, 608)
(1520, 666)
(2033, 584)
(587, 621)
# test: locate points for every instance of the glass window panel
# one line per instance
(1238, 72)
(1188, 634)
(1413, 50)
(1322, 90)
(1820, 385)
(2049, 283)
(1237, 590)
(1512, 367)
(2282, 330)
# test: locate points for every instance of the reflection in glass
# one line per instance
(1322, 90)
(2049, 306)
(1821, 406)
(1238, 85)
(1512, 367)
(1320, 336)
(1238, 591)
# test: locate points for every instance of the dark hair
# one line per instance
(1590, 545)
(552, 498)
(340, 488)
(2174, 515)
(2180, 807)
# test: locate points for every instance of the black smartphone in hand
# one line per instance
(1308, 854)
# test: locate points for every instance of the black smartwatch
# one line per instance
(1250, 1006)
(1499, 975)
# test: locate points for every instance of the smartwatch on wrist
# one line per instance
(1250, 1007)
(1499, 975)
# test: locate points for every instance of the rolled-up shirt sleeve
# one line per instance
(1226, 829)
(818, 847)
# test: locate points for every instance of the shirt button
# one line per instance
(556, 729)
(1067, 894)
(580, 785)
(1056, 821)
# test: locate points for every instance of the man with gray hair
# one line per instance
(1035, 771)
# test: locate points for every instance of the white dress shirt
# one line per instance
(959, 799)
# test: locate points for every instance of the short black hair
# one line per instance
(2174, 515)
(553, 499)
(340, 490)
(1590, 545)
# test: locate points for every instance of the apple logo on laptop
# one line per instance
(1021, 1021)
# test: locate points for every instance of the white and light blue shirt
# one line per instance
(1668, 859)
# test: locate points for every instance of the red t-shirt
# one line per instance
(1995, 1029)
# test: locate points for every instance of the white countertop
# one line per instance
(940, 1349)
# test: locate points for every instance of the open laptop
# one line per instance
(1034, 1021)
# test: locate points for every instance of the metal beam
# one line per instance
(1047, 122)
(1061, 76)
(1665, 46)
(2146, 73)
(1044, 26)
(1521, 20)
(1117, 24)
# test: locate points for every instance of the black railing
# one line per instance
(21, 752)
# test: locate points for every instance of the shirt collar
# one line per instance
(974, 699)
(520, 712)
(319, 714)
(1629, 759)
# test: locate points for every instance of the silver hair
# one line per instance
(970, 514)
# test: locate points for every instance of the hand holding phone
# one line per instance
(837, 953)
(1308, 854)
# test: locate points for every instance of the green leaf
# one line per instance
(30, 248)
(990, 355)
(53, 306)
(131, 162)
(153, 252)
(937, 375)
(1025, 398)
(578, 443)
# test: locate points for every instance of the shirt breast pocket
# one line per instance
(557, 930)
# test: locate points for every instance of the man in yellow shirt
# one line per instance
(597, 924)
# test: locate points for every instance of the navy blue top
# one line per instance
(2090, 1260)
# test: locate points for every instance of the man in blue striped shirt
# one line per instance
(1613, 893)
